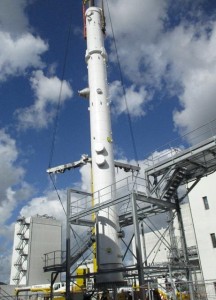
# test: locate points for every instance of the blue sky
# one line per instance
(167, 56)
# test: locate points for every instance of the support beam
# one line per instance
(68, 247)
(184, 247)
(138, 246)
(154, 201)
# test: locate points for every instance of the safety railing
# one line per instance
(113, 194)
(177, 145)
(54, 259)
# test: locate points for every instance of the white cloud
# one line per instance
(6, 242)
(5, 261)
(20, 49)
(137, 27)
(85, 173)
(138, 14)
(19, 53)
(133, 101)
(13, 190)
(180, 58)
(12, 186)
(199, 84)
(46, 91)
(48, 204)
(197, 102)
(12, 16)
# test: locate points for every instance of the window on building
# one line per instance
(213, 238)
(205, 201)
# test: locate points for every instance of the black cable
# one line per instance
(57, 115)
(124, 91)
(51, 177)
(56, 122)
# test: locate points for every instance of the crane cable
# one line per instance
(56, 122)
(123, 89)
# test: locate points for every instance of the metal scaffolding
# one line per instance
(139, 198)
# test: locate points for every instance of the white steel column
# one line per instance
(103, 173)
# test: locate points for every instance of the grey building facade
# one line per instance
(33, 237)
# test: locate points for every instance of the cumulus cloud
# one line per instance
(48, 204)
(46, 91)
(133, 101)
(5, 261)
(13, 17)
(19, 53)
(20, 49)
(198, 80)
(159, 52)
(12, 185)
(137, 27)
(13, 191)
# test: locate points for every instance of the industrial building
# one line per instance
(203, 210)
(198, 215)
(33, 237)
(159, 248)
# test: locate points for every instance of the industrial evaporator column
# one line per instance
(103, 174)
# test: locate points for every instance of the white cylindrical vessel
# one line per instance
(103, 173)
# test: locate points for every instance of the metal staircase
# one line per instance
(173, 184)
(56, 260)
(21, 249)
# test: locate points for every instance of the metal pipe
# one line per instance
(68, 247)
(91, 3)
(144, 245)
(184, 247)
(138, 246)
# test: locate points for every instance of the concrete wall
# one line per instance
(43, 236)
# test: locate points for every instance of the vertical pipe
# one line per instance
(149, 291)
(174, 252)
(91, 3)
(68, 247)
(172, 283)
(103, 173)
(138, 246)
(184, 248)
(201, 268)
(144, 245)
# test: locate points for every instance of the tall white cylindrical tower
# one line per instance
(103, 173)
